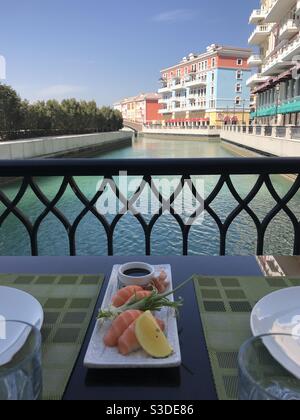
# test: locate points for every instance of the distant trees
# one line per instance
(67, 117)
(10, 109)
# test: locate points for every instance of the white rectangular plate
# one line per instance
(99, 356)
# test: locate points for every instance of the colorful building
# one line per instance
(276, 83)
(141, 109)
(207, 89)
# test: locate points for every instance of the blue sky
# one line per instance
(106, 50)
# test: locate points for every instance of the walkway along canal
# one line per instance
(65, 146)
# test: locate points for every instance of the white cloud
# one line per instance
(175, 15)
(59, 91)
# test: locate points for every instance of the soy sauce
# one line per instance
(137, 272)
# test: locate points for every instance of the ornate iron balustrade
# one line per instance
(224, 168)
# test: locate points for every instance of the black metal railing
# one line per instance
(268, 131)
(258, 130)
(186, 169)
(281, 132)
(295, 133)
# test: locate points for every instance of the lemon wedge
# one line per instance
(151, 337)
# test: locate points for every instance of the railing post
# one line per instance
(274, 133)
(289, 133)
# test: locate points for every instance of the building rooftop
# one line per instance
(141, 97)
(211, 50)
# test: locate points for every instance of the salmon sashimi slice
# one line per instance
(119, 326)
(139, 296)
(128, 342)
(122, 296)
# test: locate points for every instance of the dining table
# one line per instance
(193, 380)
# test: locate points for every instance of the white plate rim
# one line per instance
(275, 350)
(28, 295)
(14, 346)
(261, 301)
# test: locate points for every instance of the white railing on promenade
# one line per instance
(173, 127)
(279, 132)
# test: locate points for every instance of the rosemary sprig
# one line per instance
(154, 302)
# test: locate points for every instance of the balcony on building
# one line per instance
(163, 100)
(195, 81)
(278, 9)
(165, 88)
(195, 106)
(166, 110)
(257, 16)
(177, 106)
(291, 52)
(256, 79)
(275, 65)
(255, 60)
(288, 29)
(176, 100)
(178, 85)
(260, 34)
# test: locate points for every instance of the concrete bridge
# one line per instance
(136, 127)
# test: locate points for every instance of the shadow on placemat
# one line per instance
(68, 302)
(225, 305)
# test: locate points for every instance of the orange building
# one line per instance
(142, 109)
(208, 88)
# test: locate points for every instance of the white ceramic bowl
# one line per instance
(131, 280)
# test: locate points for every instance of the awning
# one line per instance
(290, 107)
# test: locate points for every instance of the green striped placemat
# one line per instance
(225, 305)
(68, 302)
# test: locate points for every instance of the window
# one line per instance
(212, 91)
(239, 61)
(213, 62)
(239, 75)
(178, 73)
(186, 70)
(238, 88)
(213, 76)
(238, 101)
(212, 104)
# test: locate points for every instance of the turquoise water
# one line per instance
(166, 238)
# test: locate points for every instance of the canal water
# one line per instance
(166, 238)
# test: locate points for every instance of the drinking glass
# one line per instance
(20, 361)
(261, 377)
